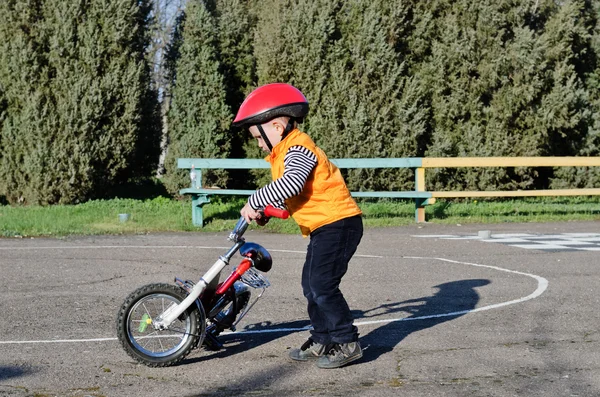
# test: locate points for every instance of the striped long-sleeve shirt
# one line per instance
(298, 164)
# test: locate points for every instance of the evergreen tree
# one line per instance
(342, 55)
(3, 107)
(591, 147)
(236, 25)
(502, 84)
(199, 118)
(21, 81)
(78, 98)
(581, 21)
(292, 42)
(371, 107)
(165, 17)
(463, 72)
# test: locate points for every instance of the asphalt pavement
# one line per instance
(437, 316)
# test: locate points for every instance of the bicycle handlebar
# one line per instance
(276, 212)
(242, 225)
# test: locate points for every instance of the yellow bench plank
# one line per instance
(440, 162)
(519, 193)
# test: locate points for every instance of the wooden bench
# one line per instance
(200, 195)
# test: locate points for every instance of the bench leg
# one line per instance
(420, 210)
(420, 204)
(198, 200)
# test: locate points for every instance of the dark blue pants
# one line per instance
(329, 251)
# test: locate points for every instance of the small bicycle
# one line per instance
(160, 324)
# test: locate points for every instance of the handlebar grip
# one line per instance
(276, 212)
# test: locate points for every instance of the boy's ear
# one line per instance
(279, 126)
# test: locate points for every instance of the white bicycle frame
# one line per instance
(165, 319)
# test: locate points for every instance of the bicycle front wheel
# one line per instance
(152, 347)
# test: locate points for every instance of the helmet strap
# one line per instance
(288, 128)
(264, 137)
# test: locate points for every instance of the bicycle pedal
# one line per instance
(212, 343)
(186, 285)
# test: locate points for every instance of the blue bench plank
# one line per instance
(231, 192)
(240, 192)
(229, 164)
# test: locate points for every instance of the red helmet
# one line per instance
(270, 101)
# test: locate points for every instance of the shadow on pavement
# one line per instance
(12, 371)
(452, 300)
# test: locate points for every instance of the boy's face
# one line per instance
(273, 130)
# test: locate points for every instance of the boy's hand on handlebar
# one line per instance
(250, 214)
(263, 220)
(262, 216)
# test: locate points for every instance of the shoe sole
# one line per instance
(341, 363)
(304, 359)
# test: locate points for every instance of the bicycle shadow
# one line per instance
(14, 371)
(452, 300)
(252, 336)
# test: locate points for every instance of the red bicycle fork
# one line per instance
(234, 276)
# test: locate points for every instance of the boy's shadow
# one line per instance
(453, 299)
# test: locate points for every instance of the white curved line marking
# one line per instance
(542, 286)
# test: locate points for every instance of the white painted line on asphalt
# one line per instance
(69, 247)
(541, 246)
(24, 342)
(567, 242)
(539, 242)
(434, 235)
(156, 247)
(542, 285)
(509, 235)
(504, 240)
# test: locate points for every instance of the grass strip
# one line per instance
(170, 215)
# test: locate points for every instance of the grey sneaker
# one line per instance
(309, 350)
(340, 354)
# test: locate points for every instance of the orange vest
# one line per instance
(325, 197)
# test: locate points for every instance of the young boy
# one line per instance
(315, 194)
